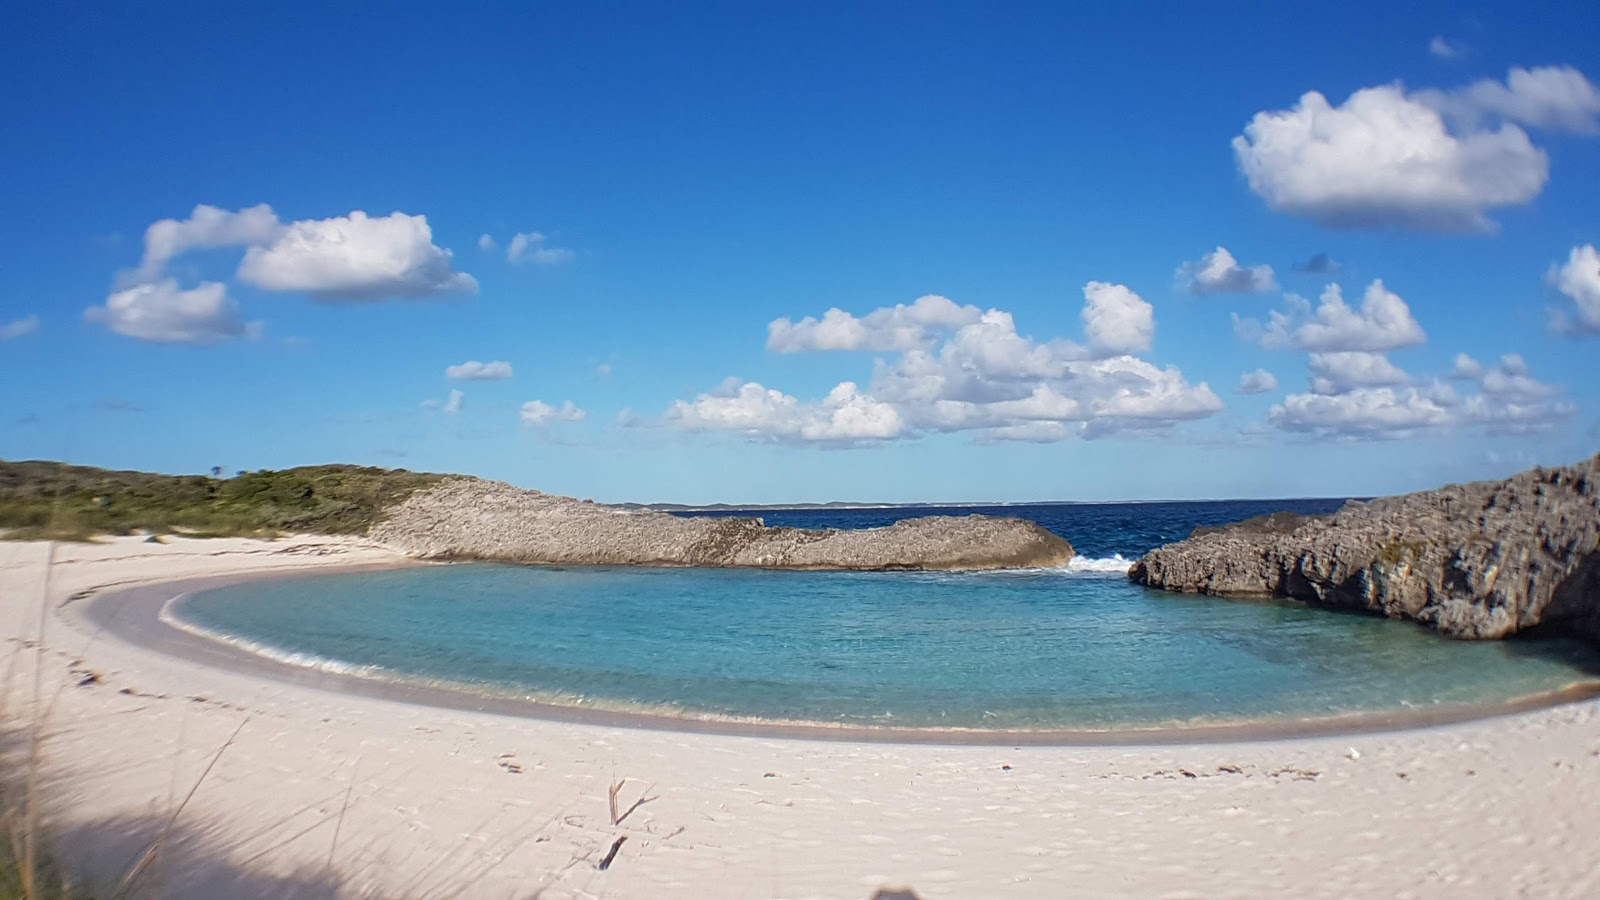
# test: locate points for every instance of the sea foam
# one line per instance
(1115, 564)
(267, 651)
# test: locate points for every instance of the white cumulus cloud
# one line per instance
(207, 226)
(956, 368)
(1382, 322)
(1512, 380)
(1381, 412)
(1498, 415)
(1579, 281)
(1117, 320)
(1356, 392)
(899, 327)
(1465, 367)
(161, 312)
(540, 414)
(533, 247)
(356, 257)
(1128, 392)
(1345, 370)
(1363, 396)
(1554, 98)
(19, 327)
(472, 370)
(1384, 158)
(1258, 382)
(1218, 272)
(845, 416)
(1512, 401)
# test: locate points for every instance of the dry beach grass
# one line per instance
(321, 793)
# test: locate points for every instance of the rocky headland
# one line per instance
(462, 518)
(1482, 560)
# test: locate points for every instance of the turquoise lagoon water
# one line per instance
(1079, 647)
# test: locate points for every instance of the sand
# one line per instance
(322, 791)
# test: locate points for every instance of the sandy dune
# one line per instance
(321, 791)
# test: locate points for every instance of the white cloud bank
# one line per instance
(353, 257)
(1357, 392)
(540, 414)
(1116, 320)
(207, 226)
(1579, 281)
(19, 327)
(1431, 160)
(356, 257)
(344, 258)
(844, 416)
(1258, 382)
(1218, 272)
(1466, 368)
(1382, 322)
(1509, 401)
(1346, 370)
(958, 368)
(1554, 98)
(472, 370)
(163, 313)
(899, 327)
(1384, 412)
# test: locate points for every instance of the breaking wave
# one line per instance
(1115, 564)
(293, 658)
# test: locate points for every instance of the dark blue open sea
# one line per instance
(1078, 647)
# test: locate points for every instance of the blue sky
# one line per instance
(264, 237)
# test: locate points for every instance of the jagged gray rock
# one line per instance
(465, 518)
(1481, 560)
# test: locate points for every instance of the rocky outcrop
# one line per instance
(1481, 560)
(471, 519)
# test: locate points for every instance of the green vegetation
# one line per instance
(1392, 553)
(50, 500)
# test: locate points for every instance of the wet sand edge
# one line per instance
(133, 615)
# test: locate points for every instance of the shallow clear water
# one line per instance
(1048, 648)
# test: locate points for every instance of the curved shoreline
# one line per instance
(134, 614)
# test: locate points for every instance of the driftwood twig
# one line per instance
(615, 846)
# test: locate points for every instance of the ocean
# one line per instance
(1073, 648)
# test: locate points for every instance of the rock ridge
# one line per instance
(467, 518)
(1488, 559)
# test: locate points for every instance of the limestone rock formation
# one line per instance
(1482, 560)
(471, 519)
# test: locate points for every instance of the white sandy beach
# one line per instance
(390, 799)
